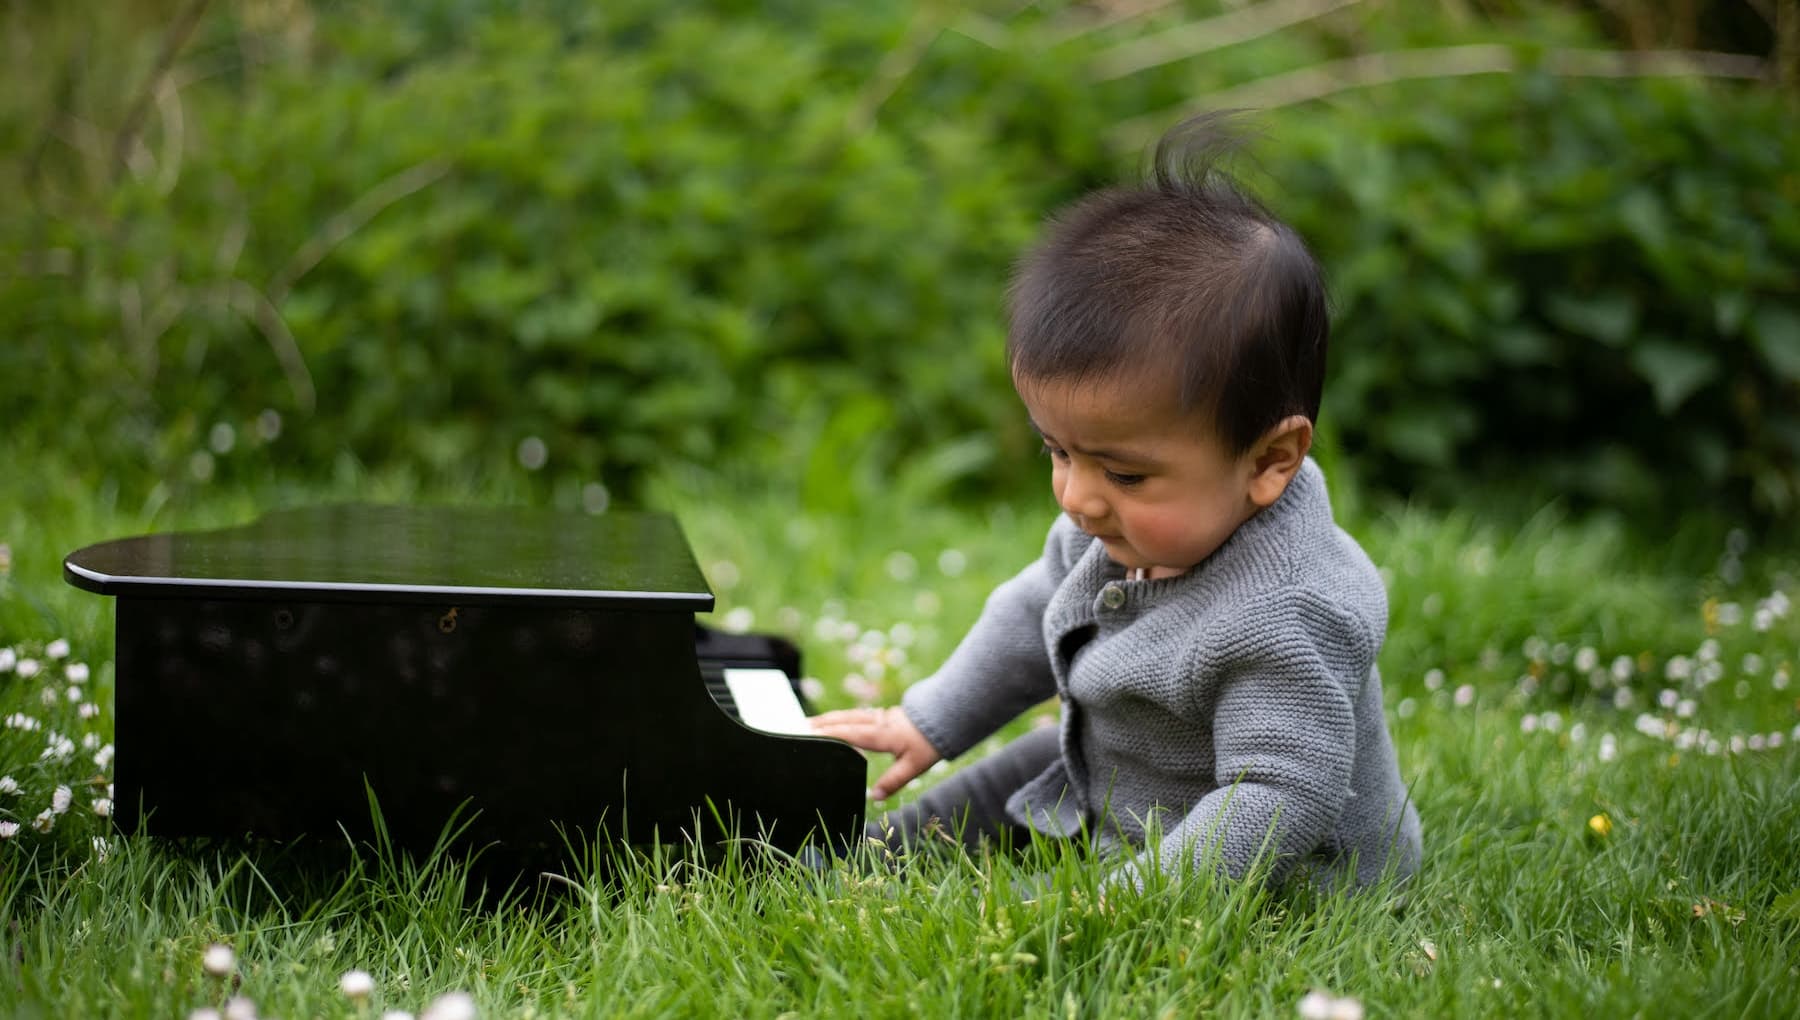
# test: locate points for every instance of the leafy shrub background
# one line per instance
(774, 239)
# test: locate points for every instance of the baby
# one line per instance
(1209, 630)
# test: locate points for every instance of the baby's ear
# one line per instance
(1277, 457)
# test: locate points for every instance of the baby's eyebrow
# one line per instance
(1103, 453)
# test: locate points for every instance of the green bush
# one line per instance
(1586, 284)
(774, 240)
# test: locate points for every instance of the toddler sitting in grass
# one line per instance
(1210, 632)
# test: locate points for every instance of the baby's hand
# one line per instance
(885, 730)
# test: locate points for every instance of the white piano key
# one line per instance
(765, 701)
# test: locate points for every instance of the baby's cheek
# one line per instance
(1178, 533)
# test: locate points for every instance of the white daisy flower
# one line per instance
(8, 784)
(60, 798)
(27, 668)
(356, 984)
(58, 649)
(218, 960)
(77, 672)
(1586, 659)
(45, 820)
(451, 1006)
(8, 830)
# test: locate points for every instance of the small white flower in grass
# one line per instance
(1730, 614)
(218, 960)
(1622, 698)
(952, 562)
(848, 631)
(90, 741)
(1315, 1005)
(1708, 650)
(1578, 732)
(1465, 695)
(239, 1007)
(1550, 721)
(1678, 668)
(8, 660)
(1406, 708)
(1752, 664)
(1737, 743)
(45, 821)
(60, 798)
(451, 1006)
(88, 710)
(1536, 648)
(901, 566)
(1775, 740)
(356, 984)
(812, 688)
(104, 756)
(1762, 620)
(1586, 659)
(58, 749)
(1667, 697)
(1609, 747)
(595, 497)
(222, 438)
(825, 628)
(9, 785)
(739, 620)
(1434, 679)
(48, 697)
(864, 690)
(1529, 724)
(725, 574)
(27, 668)
(58, 649)
(102, 849)
(1780, 680)
(532, 453)
(1346, 1009)
(73, 694)
(77, 672)
(103, 807)
(8, 830)
(1685, 708)
(1756, 742)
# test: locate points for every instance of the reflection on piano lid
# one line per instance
(539, 667)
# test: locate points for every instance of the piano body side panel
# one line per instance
(268, 718)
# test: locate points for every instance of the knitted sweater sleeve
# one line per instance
(1001, 667)
(1284, 735)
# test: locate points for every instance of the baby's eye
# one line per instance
(1123, 480)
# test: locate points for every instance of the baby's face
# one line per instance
(1133, 471)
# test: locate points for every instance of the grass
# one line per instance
(1588, 852)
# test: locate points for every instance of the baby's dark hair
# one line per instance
(1186, 276)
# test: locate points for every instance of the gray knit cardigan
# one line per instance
(1236, 707)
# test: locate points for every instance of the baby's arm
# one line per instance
(1284, 739)
(998, 670)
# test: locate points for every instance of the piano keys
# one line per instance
(542, 670)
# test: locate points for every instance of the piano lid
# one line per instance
(411, 554)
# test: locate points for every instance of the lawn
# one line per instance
(1601, 731)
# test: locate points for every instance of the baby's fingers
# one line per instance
(904, 770)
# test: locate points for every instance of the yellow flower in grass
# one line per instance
(1600, 825)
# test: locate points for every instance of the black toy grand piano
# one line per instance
(538, 673)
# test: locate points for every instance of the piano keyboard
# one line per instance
(762, 699)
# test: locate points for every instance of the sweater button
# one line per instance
(1112, 596)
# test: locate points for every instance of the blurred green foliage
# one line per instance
(774, 239)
